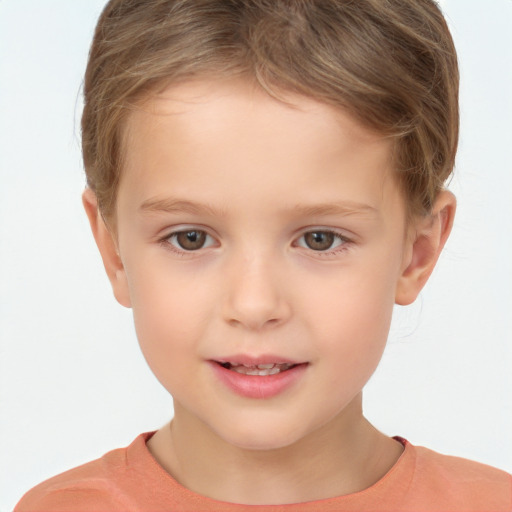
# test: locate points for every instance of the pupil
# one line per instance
(191, 240)
(319, 240)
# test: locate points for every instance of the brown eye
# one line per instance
(319, 240)
(190, 240)
(323, 241)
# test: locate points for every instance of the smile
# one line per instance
(258, 379)
(259, 369)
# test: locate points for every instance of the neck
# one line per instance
(344, 456)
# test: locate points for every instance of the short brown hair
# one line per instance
(389, 63)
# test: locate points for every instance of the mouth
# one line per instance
(258, 377)
(260, 370)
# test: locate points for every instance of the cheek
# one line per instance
(166, 296)
(171, 314)
(356, 331)
(351, 316)
(353, 339)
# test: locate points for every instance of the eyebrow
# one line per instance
(342, 208)
(171, 205)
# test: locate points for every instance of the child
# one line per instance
(265, 182)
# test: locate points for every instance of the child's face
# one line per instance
(250, 231)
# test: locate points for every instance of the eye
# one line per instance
(190, 240)
(321, 240)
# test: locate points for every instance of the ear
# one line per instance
(426, 241)
(107, 245)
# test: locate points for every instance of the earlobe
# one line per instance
(107, 246)
(425, 245)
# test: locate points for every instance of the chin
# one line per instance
(261, 436)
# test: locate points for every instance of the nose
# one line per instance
(256, 298)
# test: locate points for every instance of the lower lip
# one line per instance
(259, 386)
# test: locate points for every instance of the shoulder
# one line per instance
(98, 485)
(468, 485)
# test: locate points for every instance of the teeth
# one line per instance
(261, 369)
(259, 366)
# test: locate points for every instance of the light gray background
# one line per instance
(73, 383)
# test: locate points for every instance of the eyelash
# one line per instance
(344, 242)
(167, 244)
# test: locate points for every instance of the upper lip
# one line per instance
(249, 360)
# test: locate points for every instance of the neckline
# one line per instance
(398, 477)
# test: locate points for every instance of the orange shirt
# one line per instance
(130, 480)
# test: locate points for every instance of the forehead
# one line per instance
(199, 132)
(208, 102)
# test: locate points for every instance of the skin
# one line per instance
(258, 177)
